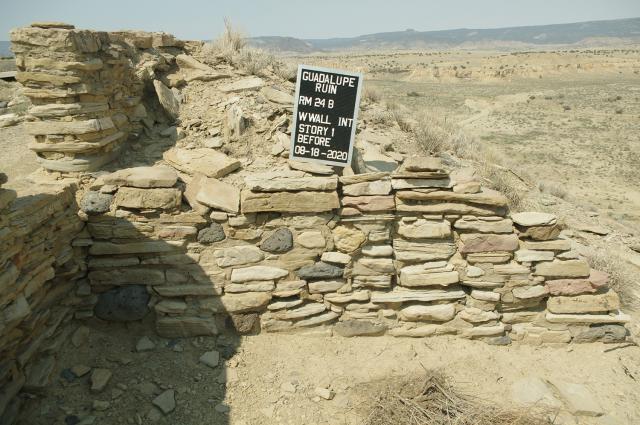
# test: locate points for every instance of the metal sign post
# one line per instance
(324, 115)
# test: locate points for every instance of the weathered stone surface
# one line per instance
(529, 292)
(414, 276)
(422, 163)
(300, 312)
(417, 183)
(288, 201)
(335, 257)
(604, 333)
(247, 274)
(238, 288)
(143, 177)
(530, 218)
(123, 304)
(310, 167)
(204, 161)
(584, 303)
(486, 197)
(311, 239)
(167, 99)
(275, 95)
(556, 245)
(376, 187)
(423, 251)
(369, 203)
(248, 301)
(36, 128)
(488, 243)
(94, 202)
(484, 226)
(320, 319)
(195, 290)
(237, 255)
(533, 391)
(401, 295)
(324, 286)
(348, 239)
(373, 267)
(378, 251)
(587, 318)
(439, 207)
(245, 84)
(166, 401)
(422, 313)
(146, 247)
(291, 181)
(578, 399)
(279, 241)
(351, 328)
(540, 233)
(213, 233)
(125, 276)
(425, 229)
(185, 327)
(530, 256)
(476, 315)
(356, 296)
(130, 197)
(569, 287)
(219, 195)
(99, 379)
(569, 269)
(320, 270)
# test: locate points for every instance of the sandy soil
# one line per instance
(272, 379)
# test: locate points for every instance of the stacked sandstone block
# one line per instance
(417, 252)
(39, 274)
(85, 88)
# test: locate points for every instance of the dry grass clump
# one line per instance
(623, 277)
(435, 401)
(433, 133)
(371, 95)
(230, 43)
(552, 189)
(232, 47)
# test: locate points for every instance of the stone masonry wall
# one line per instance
(417, 252)
(39, 289)
(86, 89)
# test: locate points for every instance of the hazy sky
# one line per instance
(200, 19)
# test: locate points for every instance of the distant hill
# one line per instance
(558, 34)
(5, 49)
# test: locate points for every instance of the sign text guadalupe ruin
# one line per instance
(325, 113)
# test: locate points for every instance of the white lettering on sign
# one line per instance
(325, 115)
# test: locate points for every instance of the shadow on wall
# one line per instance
(130, 362)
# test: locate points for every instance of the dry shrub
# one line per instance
(552, 189)
(623, 277)
(371, 95)
(286, 71)
(435, 401)
(433, 133)
(401, 115)
(232, 47)
(230, 42)
(253, 60)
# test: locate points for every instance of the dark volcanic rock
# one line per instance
(123, 304)
(320, 270)
(280, 241)
(213, 233)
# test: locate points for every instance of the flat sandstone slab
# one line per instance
(288, 201)
(278, 181)
(209, 162)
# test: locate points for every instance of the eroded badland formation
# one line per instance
(167, 263)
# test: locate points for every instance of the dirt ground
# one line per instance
(272, 379)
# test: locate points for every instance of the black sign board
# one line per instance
(324, 115)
